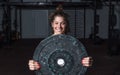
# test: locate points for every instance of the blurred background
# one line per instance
(24, 23)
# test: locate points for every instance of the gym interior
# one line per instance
(25, 23)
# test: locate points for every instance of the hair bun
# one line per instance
(59, 8)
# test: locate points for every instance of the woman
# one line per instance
(59, 24)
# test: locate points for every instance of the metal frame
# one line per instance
(51, 5)
(48, 5)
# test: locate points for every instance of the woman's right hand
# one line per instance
(33, 65)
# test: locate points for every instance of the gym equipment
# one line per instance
(60, 55)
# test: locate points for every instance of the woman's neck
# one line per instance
(57, 33)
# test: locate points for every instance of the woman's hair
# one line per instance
(59, 12)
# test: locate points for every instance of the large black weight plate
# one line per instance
(60, 55)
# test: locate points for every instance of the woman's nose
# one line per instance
(60, 25)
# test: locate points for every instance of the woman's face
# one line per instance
(59, 25)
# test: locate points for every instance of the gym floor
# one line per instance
(14, 58)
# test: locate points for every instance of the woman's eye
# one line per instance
(63, 23)
(56, 23)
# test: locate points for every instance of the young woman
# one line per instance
(59, 24)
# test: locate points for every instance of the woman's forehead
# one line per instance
(59, 17)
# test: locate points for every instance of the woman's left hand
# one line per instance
(87, 61)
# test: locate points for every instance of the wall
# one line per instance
(103, 23)
(35, 22)
(0, 18)
(117, 12)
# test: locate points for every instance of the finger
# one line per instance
(30, 62)
(85, 60)
(31, 67)
(37, 65)
(86, 65)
